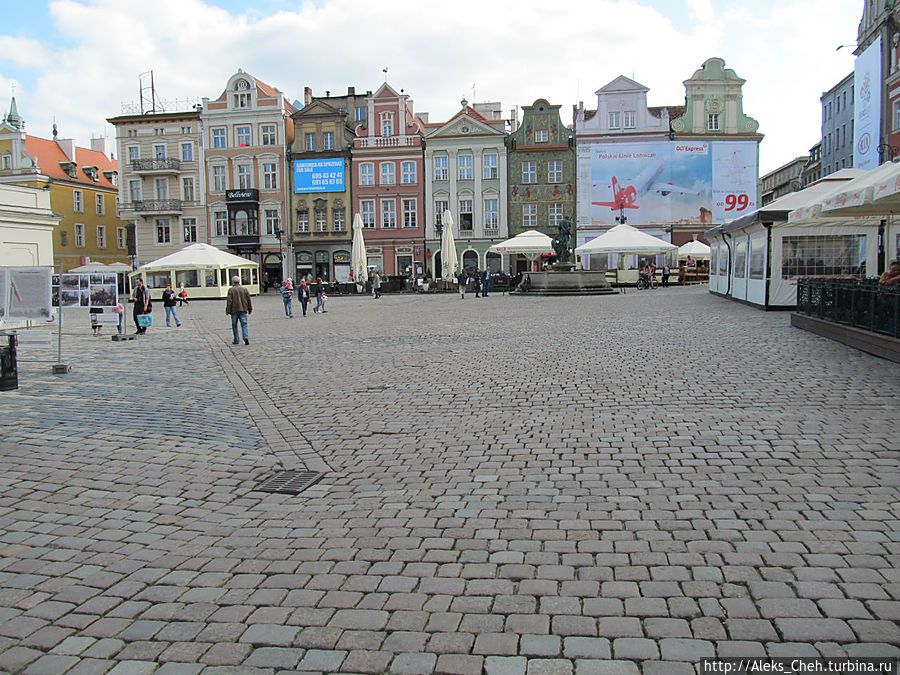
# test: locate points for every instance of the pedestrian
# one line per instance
(239, 307)
(319, 289)
(286, 295)
(182, 296)
(120, 310)
(477, 283)
(666, 272)
(376, 285)
(463, 281)
(95, 324)
(142, 304)
(303, 294)
(169, 299)
(486, 285)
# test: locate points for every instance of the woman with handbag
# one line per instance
(142, 306)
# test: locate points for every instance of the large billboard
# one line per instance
(318, 175)
(666, 182)
(867, 106)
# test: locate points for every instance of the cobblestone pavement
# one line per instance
(513, 486)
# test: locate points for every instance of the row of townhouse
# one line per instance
(280, 182)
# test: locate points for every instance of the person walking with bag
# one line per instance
(319, 289)
(303, 294)
(169, 300)
(239, 307)
(141, 297)
(287, 296)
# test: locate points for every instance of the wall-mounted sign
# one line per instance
(247, 195)
(867, 107)
(318, 175)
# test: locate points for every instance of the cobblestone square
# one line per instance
(512, 485)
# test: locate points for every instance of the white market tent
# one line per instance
(204, 270)
(625, 239)
(87, 268)
(532, 244)
(694, 249)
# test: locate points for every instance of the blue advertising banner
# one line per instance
(318, 175)
(867, 107)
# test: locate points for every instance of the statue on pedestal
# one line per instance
(562, 242)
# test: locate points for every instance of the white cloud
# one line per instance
(513, 52)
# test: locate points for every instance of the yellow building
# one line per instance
(83, 190)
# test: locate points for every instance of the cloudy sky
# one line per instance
(79, 61)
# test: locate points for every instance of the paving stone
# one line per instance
(605, 667)
(413, 664)
(635, 648)
(549, 667)
(505, 665)
(275, 657)
(586, 648)
(324, 660)
(814, 630)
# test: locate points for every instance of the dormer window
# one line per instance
(540, 135)
(69, 168)
(91, 172)
(387, 124)
(628, 119)
(242, 94)
(112, 177)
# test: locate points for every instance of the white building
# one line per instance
(26, 226)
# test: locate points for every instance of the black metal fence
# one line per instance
(862, 304)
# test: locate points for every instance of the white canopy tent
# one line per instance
(625, 239)
(532, 244)
(201, 267)
(694, 249)
(92, 267)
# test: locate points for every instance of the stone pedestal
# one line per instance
(566, 282)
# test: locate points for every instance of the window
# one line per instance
(367, 174)
(221, 218)
(441, 164)
(554, 171)
(243, 136)
(7, 162)
(440, 206)
(131, 132)
(244, 179)
(220, 184)
(388, 214)
(273, 222)
(242, 100)
(529, 172)
(163, 231)
(465, 215)
(310, 141)
(187, 188)
(896, 116)
(843, 135)
(218, 137)
(712, 122)
(614, 120)
(189, 230)
(321, 220)
(162, 188)
(63, 238)
(360, 113)
(268, 134)
(77, 201)
(270, 176)
(339, 220)
(159, 131)
(328, 140)
(79, 235)
(100, 206)
(408, 170)
(489, 164)
(302, 221)
(121, 237)
(101, 236)
(367, 209)
(159, 151)
(387, 173)
(491, 214)
(823, 255)
(628, 119)
(529, 216)
(187, 152)
(134, 190)
(556, 215)
(185, 130)
(410, 213)
(540, 136)
(387, 124)
(134, 153)
(465, 167)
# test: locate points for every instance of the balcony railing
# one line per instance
(862, 304)
(158, 206)
(165, 165)
(386, 141)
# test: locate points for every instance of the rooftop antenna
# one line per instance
(150, 102)
(384, 70)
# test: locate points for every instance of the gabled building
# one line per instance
(83, 187)
(321, 195)
(245, 133)
(541, 173)
(387, 182)
(465, 161)
(161, 183)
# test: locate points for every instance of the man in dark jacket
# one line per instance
(239, 306)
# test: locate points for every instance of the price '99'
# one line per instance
(736, 202)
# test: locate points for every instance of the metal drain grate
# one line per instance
(290, 482)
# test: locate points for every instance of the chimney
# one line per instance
(101, 145)
(351, 91)
(307, 95)
(67, 145)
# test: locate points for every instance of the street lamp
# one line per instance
(278, 234)
(891, 151)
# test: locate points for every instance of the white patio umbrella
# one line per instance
(449, 258)
(694, 249)
(119, 267)
(532, 244)
(358, 260)
(625, 239)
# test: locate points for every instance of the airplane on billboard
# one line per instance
(625, 198)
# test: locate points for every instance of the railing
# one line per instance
(159, 205)
(166, 164)
(385, 141)
(862, 304)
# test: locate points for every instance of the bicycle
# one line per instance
(643, 283)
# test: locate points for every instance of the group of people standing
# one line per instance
(482, 279)
(305, 291)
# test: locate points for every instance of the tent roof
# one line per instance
(872, 194)
(625, 239)
(90, 267)
(197, 255)
(693, 248)
(531, 241)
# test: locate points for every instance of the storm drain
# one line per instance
(290, 482)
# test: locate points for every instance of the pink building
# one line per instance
(388, 183)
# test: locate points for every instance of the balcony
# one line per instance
(156, 166)
(385, 141)
(158, 206)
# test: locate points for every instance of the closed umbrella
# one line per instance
(358, 260)
(449, 259)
